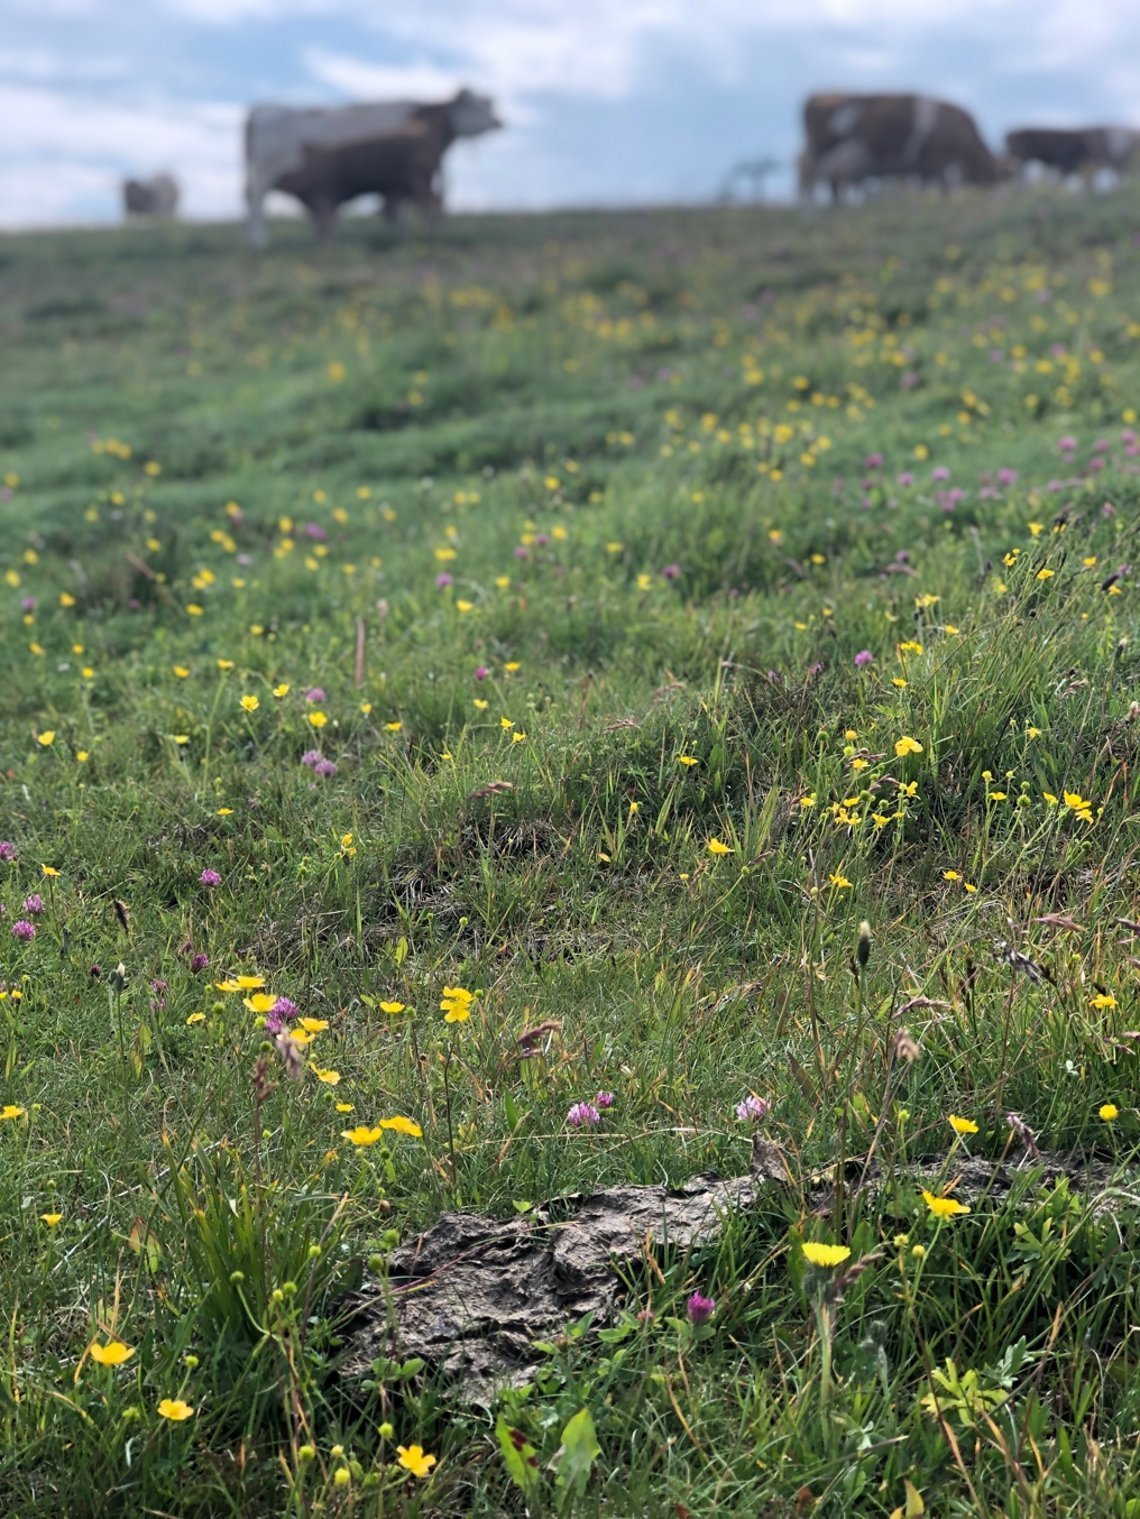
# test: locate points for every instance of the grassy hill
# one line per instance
(603, 615)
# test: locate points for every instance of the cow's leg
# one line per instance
(324, 213)
(255, 221)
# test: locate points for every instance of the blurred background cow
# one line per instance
(1064, 151)
(156, 197)
(850, 139)
(326, 158)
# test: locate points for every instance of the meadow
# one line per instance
(504, 712)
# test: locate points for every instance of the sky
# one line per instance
(607, 102)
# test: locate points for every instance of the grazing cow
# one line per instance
(325, 158)
(1074, 150)
(157, 197)
(853, 138)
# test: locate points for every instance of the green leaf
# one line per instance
(519, 1457)
(576, 1455)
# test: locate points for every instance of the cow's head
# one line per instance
(472, 115)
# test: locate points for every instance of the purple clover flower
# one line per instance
(671, 572)
(443, 580)
(23, 930)
(700, 1309)
(324, 767)
(210, 878)
(34, 905)
(581, 1115)
(481, 672)
(7, 850)
(199, 962)
(315, 695)
(604, 1100)
(311, 757)
(863, 658)
(752, 1110)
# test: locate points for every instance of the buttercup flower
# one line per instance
(414, 1459)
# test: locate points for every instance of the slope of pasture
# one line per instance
(578, 624)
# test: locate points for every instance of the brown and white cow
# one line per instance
(156, 197)
(327, 157)
(850, 139)
(1074, 150)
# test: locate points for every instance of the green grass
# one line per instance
(640, 447)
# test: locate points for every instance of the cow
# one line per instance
(850, 139)
(157, 197)
(1073, 150)
(327, 157)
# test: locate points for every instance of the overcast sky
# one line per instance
(607, 101)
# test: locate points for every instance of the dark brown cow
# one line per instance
(1074, 150)
(850, 139)
(157, 197)
(326, 158)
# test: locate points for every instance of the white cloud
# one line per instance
(380, 81)
(63, 150)
(44, 64)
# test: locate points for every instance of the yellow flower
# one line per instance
(943, 1207)
(11, 1110)
(907, 745)
(175, 1410)
(825, 1255)
(716, 846)
(962, 1125)
(1109, 1112)
(181, 671)
(114, 1353)
(506, 722)
(281, 690)
(401, 1125)
(196, 1018)
(951, 875)
(51, 1219)
(393, 727)
(839, 881)
(1102, 1000)
(519, 737)
(250, 703)
(455, 1005)
(314, 1025)
(46, 738)
(362, 1135)
(49, 870)
(330, 1078)
(260, 1002)
(318, 719)
(82, 756)
(344, 1107)
(413, 1459)
(687, 759)
(392, 1007)
(1045, 574)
